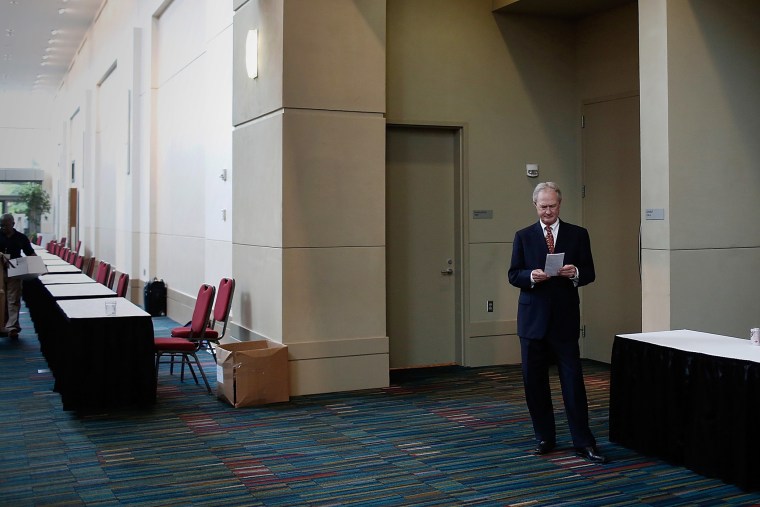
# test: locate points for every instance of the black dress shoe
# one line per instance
(590, 453)
(544, 447)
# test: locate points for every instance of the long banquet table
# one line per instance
(98, 361)
(55, 262)
(79, 290)
(65, 278)
(62, 268)
(690, 398)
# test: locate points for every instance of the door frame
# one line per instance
(461, 236)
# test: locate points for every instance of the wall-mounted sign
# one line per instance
(482, 214)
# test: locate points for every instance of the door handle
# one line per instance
(449, 271)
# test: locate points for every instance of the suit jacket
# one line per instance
(554, 302)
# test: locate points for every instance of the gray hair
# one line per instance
(547, 185)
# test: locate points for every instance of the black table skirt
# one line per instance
(690, 409)
(98, 362)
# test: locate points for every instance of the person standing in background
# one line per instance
(12, 243)
(548, 320)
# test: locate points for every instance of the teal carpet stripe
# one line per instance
(438, 437)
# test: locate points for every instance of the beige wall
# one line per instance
(516, 84)
(608, 53)
(712, 237)
(511, 83)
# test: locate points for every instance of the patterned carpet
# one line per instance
(452, 436)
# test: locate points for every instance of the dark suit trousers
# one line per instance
(536, 358)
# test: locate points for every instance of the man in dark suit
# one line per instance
(12, 243)
(548, 320)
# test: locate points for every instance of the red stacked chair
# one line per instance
(184, 348)
(122, 285)
(89, 266)
(103, 271)
(221, 315)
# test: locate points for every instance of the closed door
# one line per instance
(611, 212)
(421, 251)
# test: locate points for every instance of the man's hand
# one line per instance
(538, 275)
(568, 271)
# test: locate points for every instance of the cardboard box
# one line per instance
(252, 373)
(26, 267)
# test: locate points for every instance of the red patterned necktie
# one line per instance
(549, 239)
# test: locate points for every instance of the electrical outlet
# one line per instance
(489, 306)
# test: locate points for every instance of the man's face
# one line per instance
(547, 206)
(6, 226)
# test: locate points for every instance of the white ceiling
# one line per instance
(39, 39)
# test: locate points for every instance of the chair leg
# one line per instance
(211, 347)
(185, 359)
(171, 361)
(203, 374)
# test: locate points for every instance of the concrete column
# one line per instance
(655, 167)
(699, 108)
(309, 178)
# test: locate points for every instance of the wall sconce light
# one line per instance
(252, 54)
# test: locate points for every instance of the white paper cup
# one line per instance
(110, 307)
(754, 336)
